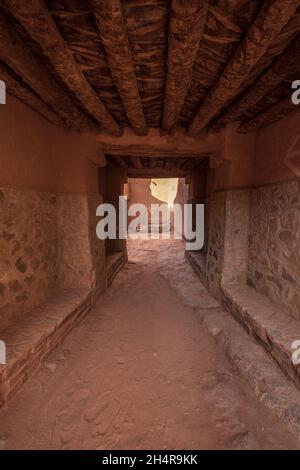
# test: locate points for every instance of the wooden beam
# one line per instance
(185, 32)
(110, 163)
(112, 30)
(37, 21)
(273, 16)
(136, 162)
(155, 173)
(179, 163)
(170, 163)
(28, 97)
(155, 144)
(283, 67)
(153, 162)
(22, 61)
(272, 114)
(190, 164)
(120, 161)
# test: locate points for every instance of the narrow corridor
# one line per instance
(140, 372)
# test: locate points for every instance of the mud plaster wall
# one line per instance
(35, 154)
(48, 199)
(273, 145)
(274, 255)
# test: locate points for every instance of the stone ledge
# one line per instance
(275, 330)
(256, 366)
(251, 361)
(31, 340)
(114, 263)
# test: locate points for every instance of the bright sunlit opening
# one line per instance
(165, 190)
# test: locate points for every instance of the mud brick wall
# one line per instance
(28, 251)
(274, 250)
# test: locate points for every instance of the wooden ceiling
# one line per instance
(103, 65)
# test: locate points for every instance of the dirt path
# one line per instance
(139, 372)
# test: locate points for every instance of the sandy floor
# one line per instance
(139, 372)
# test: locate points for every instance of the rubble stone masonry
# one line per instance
(274, 255)
(47, 243)
(29, 251)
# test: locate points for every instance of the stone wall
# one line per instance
(47, 242)
(206, 202)
(216, 234)
(47, 222)
(28, 251)
(81, 254)
(97, 247)
(224, 256)
(274, 254)
(236, 236)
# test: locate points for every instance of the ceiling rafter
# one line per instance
(112, 30)
(37, 21)
(282, 68)
(272, 18)
(28, 97)
(22, 61)
(185, 32)
(270, 115)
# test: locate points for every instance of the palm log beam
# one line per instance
(28, 97)
(133, 69)
(136, 162)
(273, 16)
(272, 114)
(112, 30)
(120, 161)
(37, 21)
(185, 31)
(284, 66)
